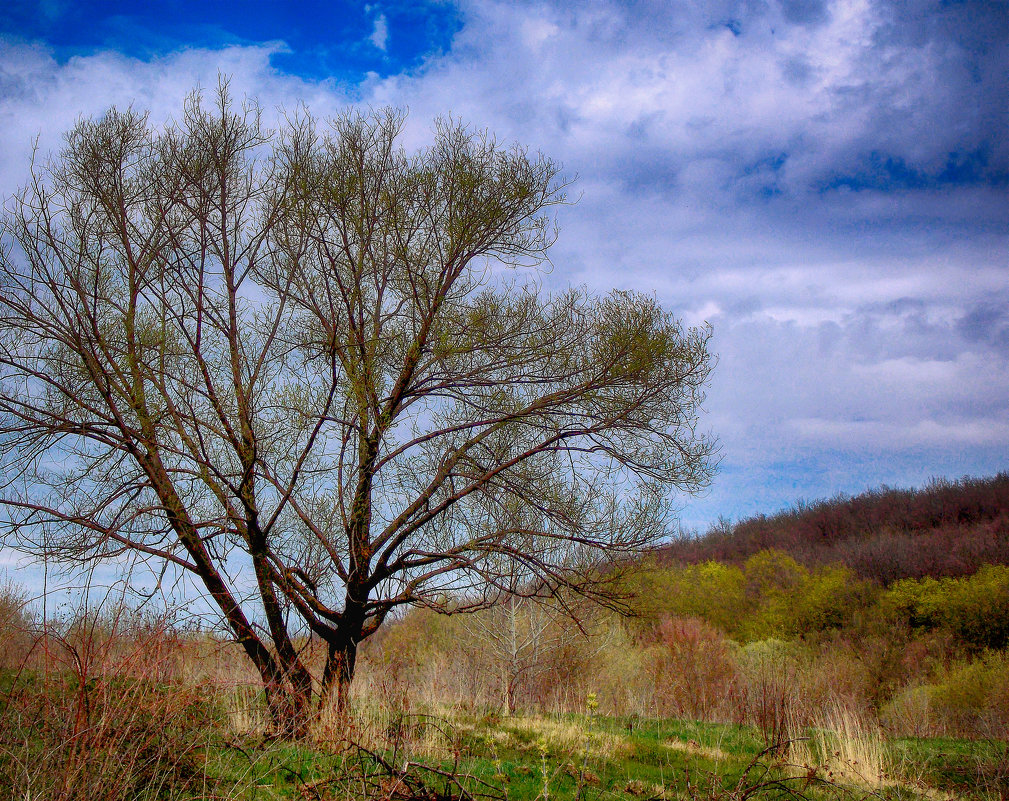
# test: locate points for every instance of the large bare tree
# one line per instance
(292, 365)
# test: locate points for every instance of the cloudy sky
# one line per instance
(826, 183)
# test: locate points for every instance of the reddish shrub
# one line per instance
(694, 670)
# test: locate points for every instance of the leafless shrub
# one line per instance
(103, 719)
(694, 670)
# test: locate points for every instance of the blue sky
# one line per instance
(315, 40)
(826, 183)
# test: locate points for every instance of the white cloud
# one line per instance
(842, 434)
(43, 98)
(380, 32)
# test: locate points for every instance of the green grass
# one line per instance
(960, 767)
(586, 757)
(570, 756)
(521, 758)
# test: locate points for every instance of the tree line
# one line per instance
(946, 528)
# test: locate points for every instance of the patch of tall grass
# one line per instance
(843, 747)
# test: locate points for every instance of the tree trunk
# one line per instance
(290, 708)
(339, 673)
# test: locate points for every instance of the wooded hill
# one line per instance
(945, 529)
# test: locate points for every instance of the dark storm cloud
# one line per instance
(979, 26)
(806, 97)
(935, 85)
(987, 323)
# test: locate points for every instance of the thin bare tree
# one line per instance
(523, 638)
(291, 365)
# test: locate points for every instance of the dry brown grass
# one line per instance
(694, 748)
(845, 748)
(104, 720)
(563, 736)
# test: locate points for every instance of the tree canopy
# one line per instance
(296, 358)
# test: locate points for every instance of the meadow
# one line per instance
(739, 668)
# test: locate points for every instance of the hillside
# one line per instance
(945, 529)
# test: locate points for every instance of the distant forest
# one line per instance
(945, 529)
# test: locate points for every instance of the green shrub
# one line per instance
(828, 599)
(787, 600)
(972, 697)
(974, 609)
(709, 590)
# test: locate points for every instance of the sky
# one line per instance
(825, 183)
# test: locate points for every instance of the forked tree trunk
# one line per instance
(512, 706)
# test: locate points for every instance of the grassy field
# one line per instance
(119, 739)
(589, 757)
(127, 707)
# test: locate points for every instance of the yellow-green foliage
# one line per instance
(828, 598)
(975, 609)
(969, 697)
(972, 697)
(772, 595)
(711, 590)
(419, 636)
(788, 600)
(620, 677)
(773, 580)
(771, 572)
